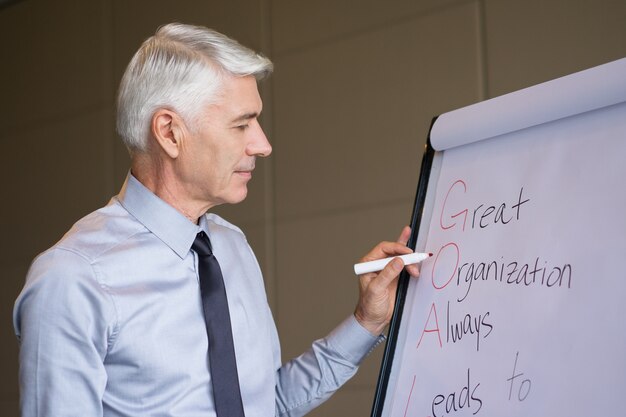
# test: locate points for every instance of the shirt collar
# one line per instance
(163, 220)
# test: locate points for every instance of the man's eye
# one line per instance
(242, 127)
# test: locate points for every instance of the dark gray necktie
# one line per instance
(222, 362)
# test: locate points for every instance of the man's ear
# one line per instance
(168, 131)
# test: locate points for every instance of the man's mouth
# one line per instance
(246, 172)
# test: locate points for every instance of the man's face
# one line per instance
(219, 156)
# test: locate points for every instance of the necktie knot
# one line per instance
(202, 245)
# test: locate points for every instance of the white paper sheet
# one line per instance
(521, 310)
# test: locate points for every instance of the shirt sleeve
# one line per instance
(61, 320)
(310, 379)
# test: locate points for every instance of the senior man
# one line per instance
(151, 306)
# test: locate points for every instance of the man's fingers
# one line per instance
(404, 235)
(394, 248)
(389, 273)
(386, 250)
(413, 270)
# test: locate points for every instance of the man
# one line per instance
(113, 319)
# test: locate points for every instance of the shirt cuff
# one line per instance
(353, 341)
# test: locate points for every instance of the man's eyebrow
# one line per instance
(246, 116)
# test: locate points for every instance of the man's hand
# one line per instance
(377, 291)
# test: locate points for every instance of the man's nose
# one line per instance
(259, 144)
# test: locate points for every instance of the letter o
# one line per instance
(521, 396)
(458, 256)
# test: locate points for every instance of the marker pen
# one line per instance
(378, 265)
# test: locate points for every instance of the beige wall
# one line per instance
(348, 109)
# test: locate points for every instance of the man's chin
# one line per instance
(237, 198)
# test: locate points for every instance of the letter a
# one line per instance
(428, 329)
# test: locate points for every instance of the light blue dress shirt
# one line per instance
(110, 322)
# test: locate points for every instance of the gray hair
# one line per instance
(179, 68)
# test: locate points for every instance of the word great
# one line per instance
(482, 216)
